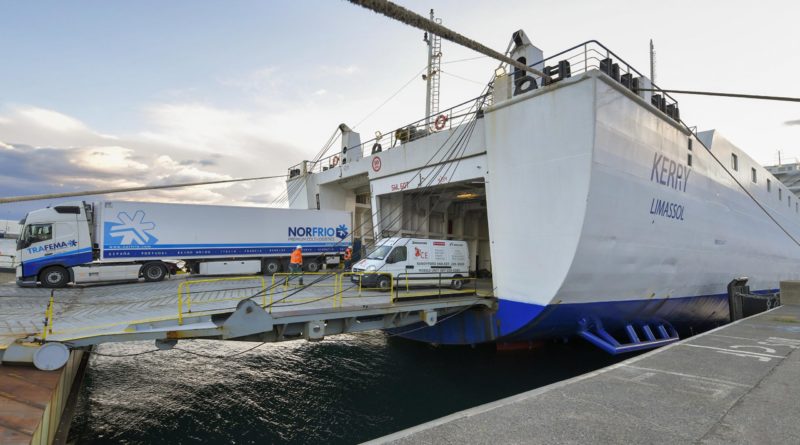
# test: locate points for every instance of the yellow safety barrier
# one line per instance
(48, 318)
(446, 285)
(185, 289)
(287, 277)
(361, 280)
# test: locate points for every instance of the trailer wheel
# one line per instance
(312, 267)
(154, 272)
(458, 283)
(54, 277)
(271, 267)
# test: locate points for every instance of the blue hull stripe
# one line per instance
(515, 321)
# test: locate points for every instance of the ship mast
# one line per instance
(652, 62)
(432, 76)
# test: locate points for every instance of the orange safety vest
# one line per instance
(348, 254)
(297, 256)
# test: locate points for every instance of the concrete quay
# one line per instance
(739, 383)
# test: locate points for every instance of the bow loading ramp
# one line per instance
(39, 326)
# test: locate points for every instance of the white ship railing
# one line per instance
(586, 56)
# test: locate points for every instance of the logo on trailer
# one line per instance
(52, 246)
(130, 230)
(376, 164)
(340, 232)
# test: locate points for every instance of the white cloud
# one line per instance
(258, 81)
(347, 70)
(203, 128)
(108, 159)
(178, 150)
(51, 120)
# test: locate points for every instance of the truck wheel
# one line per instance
(313, 266)
(54, 277)
(272, 267)
(154, 272)
(458, 283)
(384, 283)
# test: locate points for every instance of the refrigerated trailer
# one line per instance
(119, 240)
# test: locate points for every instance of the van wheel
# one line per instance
(312, 267)
(384, 283)
(54, 277)
(271, 267)
(154, 272)
(457, 284)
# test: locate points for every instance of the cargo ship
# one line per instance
(597, 211)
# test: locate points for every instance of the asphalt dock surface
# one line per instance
(736, 384)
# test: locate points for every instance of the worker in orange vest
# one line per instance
(348, 257)
(296, 263)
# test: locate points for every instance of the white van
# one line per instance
(414, 261)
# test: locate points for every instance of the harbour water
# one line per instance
(346, 389)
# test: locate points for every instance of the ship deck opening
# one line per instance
(452, 211)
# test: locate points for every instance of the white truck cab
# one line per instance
(53, 240)
(414, 260)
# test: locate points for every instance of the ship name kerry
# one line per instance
(669, 173)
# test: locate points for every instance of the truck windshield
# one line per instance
(379, 253)
(35, 233)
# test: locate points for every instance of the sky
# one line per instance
(97, 94)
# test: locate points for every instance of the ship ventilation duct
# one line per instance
(351, 144)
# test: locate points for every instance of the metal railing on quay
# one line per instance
(185, 293)
(383, 282)
(284, 281)
(445, 284)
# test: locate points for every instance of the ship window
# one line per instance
(796, 207)
(690, 144)
(689, 160)
(780, 195)
(769, 185)
(789, 201)
(734, 162)
(753, 176)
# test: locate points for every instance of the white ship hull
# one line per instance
(598, 220)
(591, 221)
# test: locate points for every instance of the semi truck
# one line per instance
(82, 242)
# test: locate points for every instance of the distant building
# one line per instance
(788, 174)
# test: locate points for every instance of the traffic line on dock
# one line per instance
(736, 351)
(685, 375)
